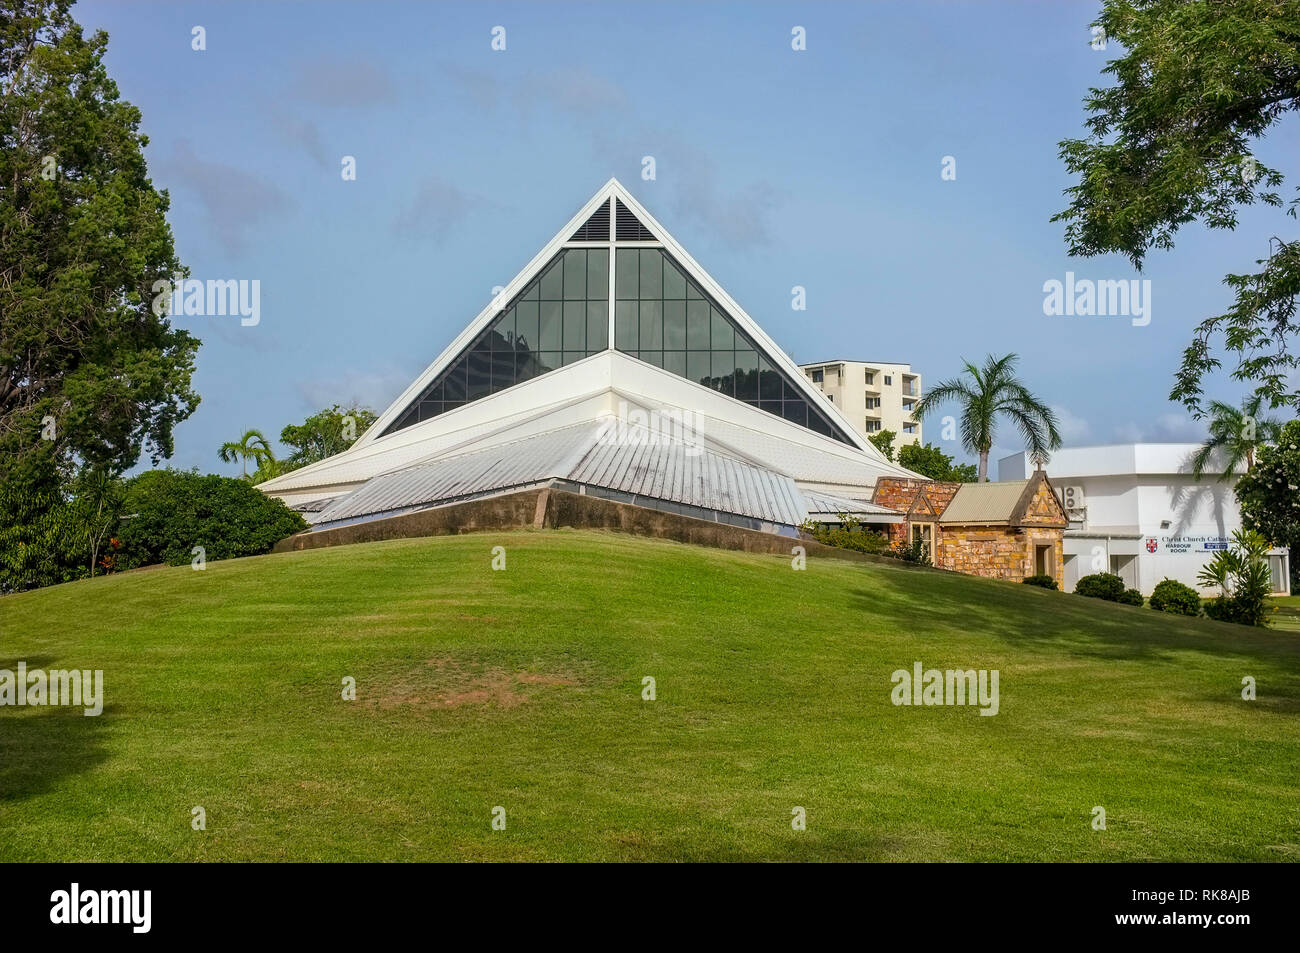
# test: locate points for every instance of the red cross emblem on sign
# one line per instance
(1151, 545)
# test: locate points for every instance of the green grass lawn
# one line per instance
(1287, 616)
(523, 689)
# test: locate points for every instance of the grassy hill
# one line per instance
(522, 689)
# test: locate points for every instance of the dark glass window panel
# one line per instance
(724, 372)
(571, 357)
(771, 406)
(553, 282)
(597, 326)
(502, 335)
(723, 335)
(795, 411)
(526, 316)
(503, 370)
(697, 325)
(675, 325)
(626, 270)
(435, 392)
(697, 366)
(769, 381)
(549, 361)
(674, 281)
(746, 383)
(625, 325)
(597, 274)
(552, 326)
(652, 280)
(480, 375)
(819, 423)
(652, 325)
(533, 292)
(675, 361)
(653, 357)
(693, 293)
(454, 383)
(575, 326)
(575, 274)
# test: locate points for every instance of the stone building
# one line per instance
(1004, 530)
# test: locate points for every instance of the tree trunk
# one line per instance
(984, 467)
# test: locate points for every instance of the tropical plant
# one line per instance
(883, 440)
(987, 393)
(1170, 595)
(1269, 495)
(1242, 576)
(1235, 436)
(251, 446)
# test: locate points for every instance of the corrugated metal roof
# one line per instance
(984, 502)
(628, 460)
(822, 504)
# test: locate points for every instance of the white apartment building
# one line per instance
(873, 396)
(1136, 510)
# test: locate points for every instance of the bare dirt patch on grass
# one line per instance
(444, 683)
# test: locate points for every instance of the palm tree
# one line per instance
(984, 394)
(1235, 435)
(252, 446)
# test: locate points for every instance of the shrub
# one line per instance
(850, 534)
(1043, 580)
(169, 512)
(1131, 597)
(1243, 579)
(1101, 585)
(913, 552)
(1170, 595)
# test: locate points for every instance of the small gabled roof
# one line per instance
(1002, 502)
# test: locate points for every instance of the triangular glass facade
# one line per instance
(662, 317)
(561, 317)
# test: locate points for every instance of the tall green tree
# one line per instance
(324, 434)
(985, 394)
(89, 375)
(883, 440)
(1269, 495)
(1236, 434)
(251, 446)
(1197, 84)
(930, 461)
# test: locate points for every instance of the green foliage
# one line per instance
(1130, 597)
(932, 462)
(914, 551)
(1235, 436)
(1042, 580)
(883, 440)
(169, 512)
(1170, 595)
(1101, 585)
(850, 534)
(83, 239)
(324, 434)
(1269, 495)
(251, 446)
(985, 394)
(1242, 576)
(1170, 143)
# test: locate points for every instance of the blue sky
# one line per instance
(775, 168)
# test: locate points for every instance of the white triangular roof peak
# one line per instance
(367, 454)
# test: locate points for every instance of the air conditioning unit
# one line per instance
(1073, 500)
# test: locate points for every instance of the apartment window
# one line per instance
(871, 379)
(817, 376)
(909, 428)
(909, 405)
(873, 426)
(873, 403)
(889, 380)
(839, 372)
